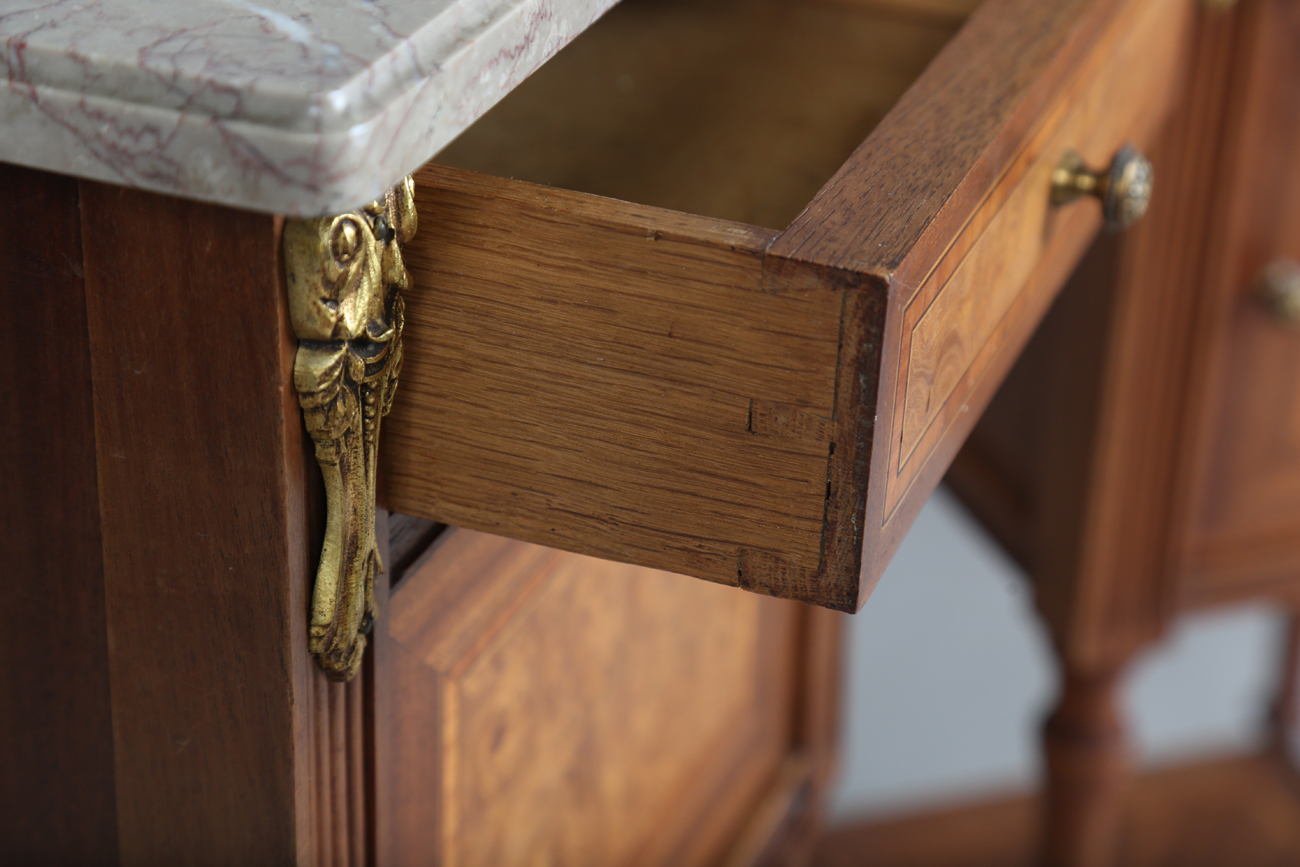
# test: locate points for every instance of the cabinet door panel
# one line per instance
(1245, 519)
(564, 710)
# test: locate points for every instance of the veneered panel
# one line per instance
(587, 712)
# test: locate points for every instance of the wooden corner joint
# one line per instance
(345, 276)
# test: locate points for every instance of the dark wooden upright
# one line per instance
(160, 706)
(56, 723)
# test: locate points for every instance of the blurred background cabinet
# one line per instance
(1141, 458)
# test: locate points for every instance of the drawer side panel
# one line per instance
(613, 380)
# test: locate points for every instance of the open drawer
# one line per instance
(687, 390)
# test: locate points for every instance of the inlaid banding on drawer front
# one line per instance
(962, 316)
(950, 323)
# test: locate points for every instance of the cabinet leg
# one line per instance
(1087, 772)
(1285, 718)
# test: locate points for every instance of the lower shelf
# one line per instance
(1242, 812)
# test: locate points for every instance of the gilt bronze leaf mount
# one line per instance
(345, 279)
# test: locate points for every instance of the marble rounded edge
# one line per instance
(273, 169)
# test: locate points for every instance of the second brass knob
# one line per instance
(1279, 289)
(1124, 188)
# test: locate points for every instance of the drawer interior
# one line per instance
(721, 289)
(733, 109)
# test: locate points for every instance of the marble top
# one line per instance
(300, 107)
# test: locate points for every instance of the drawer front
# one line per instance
(984, 280)
(757, 407)
(1244, 531)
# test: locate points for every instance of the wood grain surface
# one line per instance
(623, 382)
(1115, 503)
(229, 746)
(56, 767)
(757, 408)
(555, 706)
(928, 166)
(952, 322)
(1010, 255)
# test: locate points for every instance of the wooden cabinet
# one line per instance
(1142, 457)
(780, 271)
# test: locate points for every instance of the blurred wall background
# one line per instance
(949, 674)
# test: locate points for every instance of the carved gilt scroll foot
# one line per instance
(345, 277)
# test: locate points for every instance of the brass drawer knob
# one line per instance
(1279, 289)
(1124, 189)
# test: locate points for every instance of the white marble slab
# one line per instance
(300, 107)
